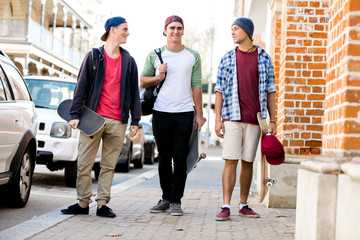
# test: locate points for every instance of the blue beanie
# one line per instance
(111, 22)
(246, 24)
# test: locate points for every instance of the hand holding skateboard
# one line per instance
(89, 123)
(202, 156)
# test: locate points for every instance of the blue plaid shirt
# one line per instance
(227, 83)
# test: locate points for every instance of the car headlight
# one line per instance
(60, 130)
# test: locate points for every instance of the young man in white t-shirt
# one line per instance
(174, 110)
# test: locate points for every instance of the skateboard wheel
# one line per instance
(269, 182)
(203, 155)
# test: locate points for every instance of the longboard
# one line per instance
(193, 157)
(263, 163)
(90, 122)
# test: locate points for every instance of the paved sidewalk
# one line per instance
(201, 202)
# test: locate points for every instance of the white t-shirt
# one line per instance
(183, 74)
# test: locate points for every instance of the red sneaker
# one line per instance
(248, 212)
(223, 215)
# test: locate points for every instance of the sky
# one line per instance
(146, 22)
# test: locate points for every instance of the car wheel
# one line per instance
(71, 174)
(18, 191)
(125, 167)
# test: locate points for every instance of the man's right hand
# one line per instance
(162, 71)
(74, 123)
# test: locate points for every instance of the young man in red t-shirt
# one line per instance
(112, 93)
(245, 86)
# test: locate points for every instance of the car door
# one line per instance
(9, 121)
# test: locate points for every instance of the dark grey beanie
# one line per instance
(246, 24)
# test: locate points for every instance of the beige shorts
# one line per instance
(240, 141)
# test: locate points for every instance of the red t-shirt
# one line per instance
(248, 85)
(110, 101)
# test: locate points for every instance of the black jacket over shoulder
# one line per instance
(88, 88)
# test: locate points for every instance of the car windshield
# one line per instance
(48, 93)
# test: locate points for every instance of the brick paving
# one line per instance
(201, 202)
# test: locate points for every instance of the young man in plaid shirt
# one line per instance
(245, 86)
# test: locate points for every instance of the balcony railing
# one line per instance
(16, 29)
(12, 28)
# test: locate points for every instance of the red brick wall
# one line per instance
(301, 95)
(342, 103)
(275, 54)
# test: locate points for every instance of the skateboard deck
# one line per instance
(193, 157)
(90, 122)
(263, 163)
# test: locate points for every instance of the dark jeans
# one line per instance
(172, 134)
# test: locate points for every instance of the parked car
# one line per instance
(132, 151)
(150, 146)
(57, 141)
(18, 127)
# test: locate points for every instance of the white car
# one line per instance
(57, 141)
(18, 126)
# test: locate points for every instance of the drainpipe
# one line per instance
(64, 30)
(28, 20)
(81, 36)
(55, 7)
(42, 12)
(73, 26)
(42, 19)
(65, 22)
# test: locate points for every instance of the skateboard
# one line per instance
(90, 122)
(266, 182)
(193, 157)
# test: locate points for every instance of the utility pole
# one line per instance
(208, 109)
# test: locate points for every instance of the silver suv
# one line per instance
(57, 142)
(18, 127)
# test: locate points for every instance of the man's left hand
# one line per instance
(200, 120)
(272, 128)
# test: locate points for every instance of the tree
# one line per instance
(201, 41)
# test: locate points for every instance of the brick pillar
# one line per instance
(341, 136)
(302, 75)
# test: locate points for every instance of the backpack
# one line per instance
(150, 94)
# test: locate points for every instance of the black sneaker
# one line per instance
(175, 209)
(161, 206)
(75, 209)
(105, 211)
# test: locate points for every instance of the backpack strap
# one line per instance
(95, 59)
(158, 53)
